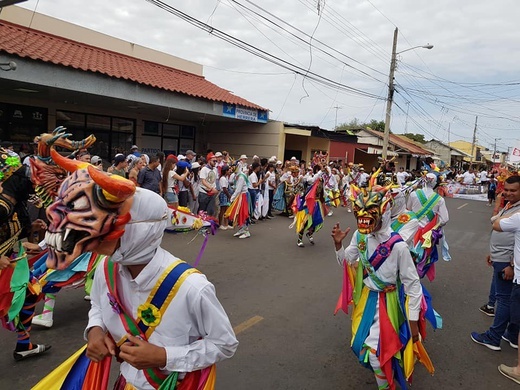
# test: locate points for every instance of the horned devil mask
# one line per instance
(370, 204)
(91, 207)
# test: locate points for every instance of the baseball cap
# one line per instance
(209, 156)
(172, 157)
(243, 157)
(95, 160)
(181, 157)
(119, 158)
(189, 151)
(134, 147)
(218, 154)
(195, 165)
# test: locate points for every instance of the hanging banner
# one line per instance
(514, 157)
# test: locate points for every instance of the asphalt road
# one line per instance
(280, 299)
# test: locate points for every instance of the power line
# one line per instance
(259, 52)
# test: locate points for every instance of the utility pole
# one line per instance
(336, 121)
(474, 142)
(449, 147)
(390, 97)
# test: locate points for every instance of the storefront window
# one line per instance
(167, 137)
(113, 135)
(20, 124)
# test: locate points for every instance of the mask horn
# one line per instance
(115, 188)
(66, 163)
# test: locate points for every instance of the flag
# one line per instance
(78, 372)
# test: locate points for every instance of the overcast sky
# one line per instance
(472, 69)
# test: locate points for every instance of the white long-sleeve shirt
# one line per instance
(194, 330)
(399, 263)
(414, 204)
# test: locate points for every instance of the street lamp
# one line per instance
(391, 90)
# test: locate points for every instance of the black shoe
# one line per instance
(269, 217)
(37, 350)
(489, 311)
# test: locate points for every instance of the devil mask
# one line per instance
(91, 207)
(370, 204)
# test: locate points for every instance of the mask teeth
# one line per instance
(67, 232)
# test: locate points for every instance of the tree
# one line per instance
(415, 137)
(354, 124)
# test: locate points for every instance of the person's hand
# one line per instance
(338, 235)
(508, 273)
(99, 344)
(414, 328)
(4, 262)
(39, 224)
(141, 354)
(32, 248)
(488, 260)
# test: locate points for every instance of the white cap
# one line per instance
(218, 154)
(134, 147)
(279, 162)
(181, 157)
(293, 158)
(243, 156)
(195, 165)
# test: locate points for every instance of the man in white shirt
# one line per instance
(362, 178)
(178, 331)
(402, 176)
(208, 185)
(469, 177)
(511, 223)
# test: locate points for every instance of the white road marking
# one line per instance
(464, 205)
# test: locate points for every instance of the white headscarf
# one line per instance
(143, 234)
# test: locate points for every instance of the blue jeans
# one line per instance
(492, 296)
(501, 323)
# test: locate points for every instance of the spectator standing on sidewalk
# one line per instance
(501, 259)
(149, 177)
(512, 224)
(208, 185)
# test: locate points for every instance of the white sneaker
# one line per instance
(87, 298)
(246, 234)
(39, 320)
(223, 227)
(238, 233)
(38, 349)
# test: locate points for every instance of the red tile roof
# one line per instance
(401, 143)
(38, 45)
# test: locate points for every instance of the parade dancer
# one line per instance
(385, 324)
(238, 211)
(18, 292)
(172, 327)
(310, 207)
(430, 209)
(292, 181)
(331, 189)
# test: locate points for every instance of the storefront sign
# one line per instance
(246, 114)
